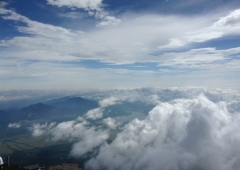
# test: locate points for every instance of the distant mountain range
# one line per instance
(65, 108)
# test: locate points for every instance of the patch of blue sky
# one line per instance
(234, 56)
(94, 64)
(176, 70)
(219, 43)
(38, 11)
(9, 29)
(169, 6)
(160, 52)
(65, 17)
(222, 43)
(148, 66)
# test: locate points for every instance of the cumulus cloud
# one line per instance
(14, 125)
(94, 113)
(84, 136)
(40, 129)
(90, 140)
(98, 112)
(87, 137)
(111, 123)
(180, 134)
(108, 102)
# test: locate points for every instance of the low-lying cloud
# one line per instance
(111, 123)
(14, 125)
(85, 137)
(98, 112)
(40, 129)
(180, 134)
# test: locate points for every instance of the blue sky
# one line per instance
(89, 44)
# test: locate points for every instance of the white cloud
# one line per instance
(65, 131)
(233, 18)
(93, 8)
(98, 112)
(108, 102)
(197, 57)
(6, 98)
(182, 134)
(14, 125)
(85, 137)
(174, 43)
(74, 45)
(85, 4)
(152, 96)
(91, 139)
(40, 129)
(111, 123)
(94, 113)
(130, 42)
(108, 20)
(226, 25)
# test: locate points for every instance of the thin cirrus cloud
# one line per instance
(141, 38)
(139, 45)
(93, 7)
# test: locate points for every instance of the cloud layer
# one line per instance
(98, 112)
(133, 39)
(84, 136)
(181, 134)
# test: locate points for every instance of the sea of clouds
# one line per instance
(187, 129)
(183, 134)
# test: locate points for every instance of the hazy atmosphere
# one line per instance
(120, 85)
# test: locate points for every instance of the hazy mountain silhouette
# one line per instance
(64, 108)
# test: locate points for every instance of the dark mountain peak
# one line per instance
(71, 101)
(77, 99)
(39, 107)
(61, 99)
